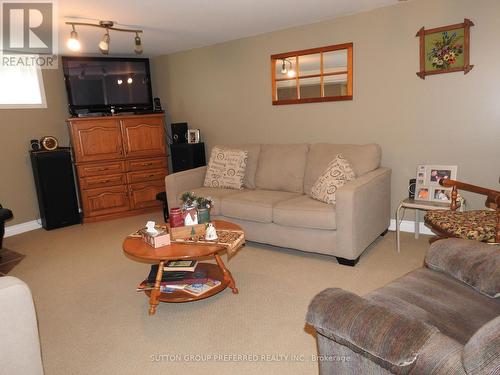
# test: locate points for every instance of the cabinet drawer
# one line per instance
(143, 195)
(153, 174)
(142, 164)
(101, 169)
(101, 181)
(105, 201)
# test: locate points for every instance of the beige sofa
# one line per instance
(19, 344)
(275, 206)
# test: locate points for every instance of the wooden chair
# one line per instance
(480, 225)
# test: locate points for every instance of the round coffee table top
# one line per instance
(137, 248)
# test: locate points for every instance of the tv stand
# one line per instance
(121, 162)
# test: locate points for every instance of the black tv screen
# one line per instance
(99, 84)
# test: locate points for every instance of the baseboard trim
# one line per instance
(406, 226)
(409, 226)
(21, 228)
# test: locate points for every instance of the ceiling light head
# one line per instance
(129, 80)
(291, 73)
(138, 44)
(119, 81)
(73, 42)
(104, 43)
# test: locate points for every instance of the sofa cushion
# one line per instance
(336, 175)
(281, 167)
(362, 158)
(477, 225)
(254, 205)
(216, 194)
(304, 212)
(475, 263)
(481, 353)
(226, 168)
(253, 151)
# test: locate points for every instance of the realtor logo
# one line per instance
(28, 28)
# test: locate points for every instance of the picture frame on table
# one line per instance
(428, 187)
(193, 136)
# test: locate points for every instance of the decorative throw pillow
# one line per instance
(226, 168)
(337, 174)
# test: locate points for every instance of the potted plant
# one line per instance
(204, 205)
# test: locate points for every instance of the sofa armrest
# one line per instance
(474, 263)
(386, 337)
(20, 345)
(362, 212)
(177, 183)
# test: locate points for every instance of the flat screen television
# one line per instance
(107, 84)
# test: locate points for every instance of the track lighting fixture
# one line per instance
(74, 44)
(104, 43)
(138, 44)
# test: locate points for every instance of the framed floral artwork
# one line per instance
(445, 49)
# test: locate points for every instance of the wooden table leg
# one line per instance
(155, 293)
(226, 273)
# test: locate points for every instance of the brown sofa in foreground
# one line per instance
(275, 206)
(443, 318)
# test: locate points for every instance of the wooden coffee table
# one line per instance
(138, 249)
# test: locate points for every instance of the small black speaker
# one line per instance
(35, 144)
(411, 188)
(157, 105)
(55, 188)
(179, 132)
(187, 156)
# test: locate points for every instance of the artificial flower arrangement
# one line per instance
(445, 51)
(189, 199)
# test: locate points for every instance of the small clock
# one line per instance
(49, 143)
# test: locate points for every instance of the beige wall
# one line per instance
(17, 127)
(225, 90)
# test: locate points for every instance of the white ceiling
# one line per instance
(178, 25)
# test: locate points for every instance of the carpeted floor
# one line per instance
(8, 260)
(92, 321)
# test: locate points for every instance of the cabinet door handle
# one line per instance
(151, 175)
(103, 181)
(102, 169)
(146, 164)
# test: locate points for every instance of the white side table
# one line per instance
(417, 205)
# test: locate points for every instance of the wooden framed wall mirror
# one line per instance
(313, 75)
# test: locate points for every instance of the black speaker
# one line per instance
(187, 156)
(179, 132)
(411, 188)
(157, 105)
(55, 188)
(35, 144)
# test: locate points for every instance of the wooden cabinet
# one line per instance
(143, 137)
(121, 163)
(97, 139)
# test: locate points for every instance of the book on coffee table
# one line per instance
(180, 265)
(198, 289)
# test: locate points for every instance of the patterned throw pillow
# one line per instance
(337, 174)
(226, 168)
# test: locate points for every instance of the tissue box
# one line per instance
(158, 240)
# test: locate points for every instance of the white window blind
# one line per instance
(21, 87)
